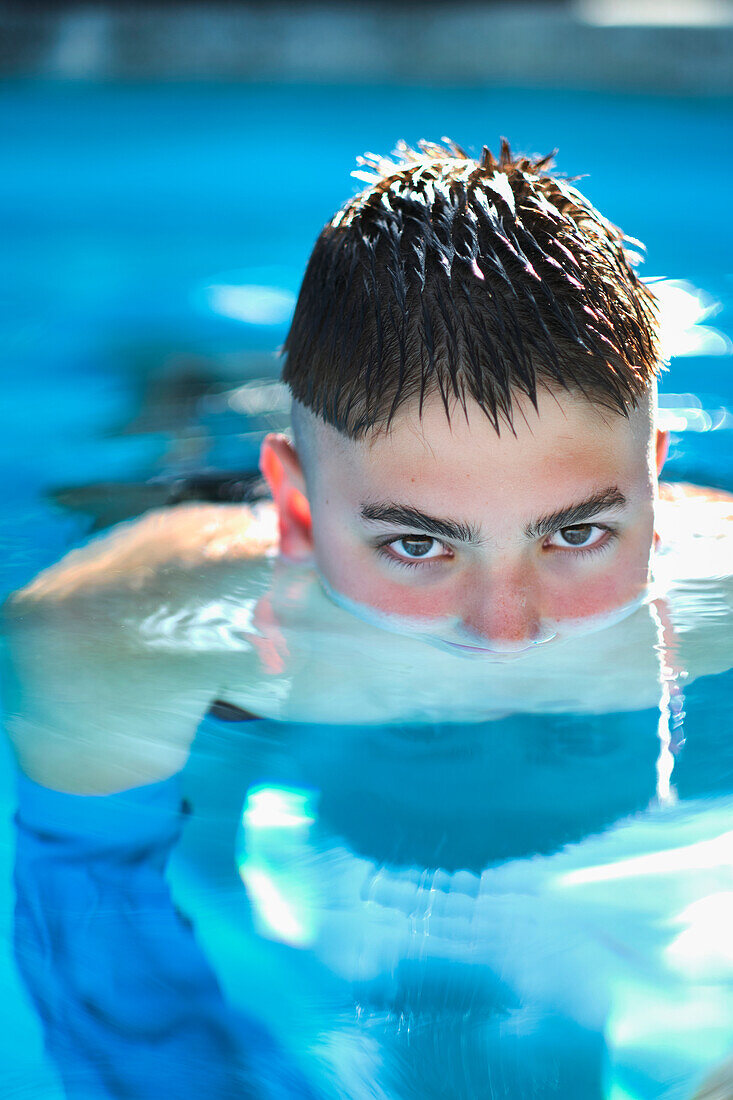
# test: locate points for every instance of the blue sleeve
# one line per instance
(129, 1004)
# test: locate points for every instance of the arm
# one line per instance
(107, 669)
(125, 997)
(130, 1006)
(96, 704)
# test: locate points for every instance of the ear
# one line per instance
(662, 449)
(281, 469)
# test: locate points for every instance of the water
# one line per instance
(516, 907)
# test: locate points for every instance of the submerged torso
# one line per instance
(434, 876)
(449, 908)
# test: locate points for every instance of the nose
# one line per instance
(504, 608)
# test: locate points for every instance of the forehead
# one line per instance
(566, 442)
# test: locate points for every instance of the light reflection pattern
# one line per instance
(682, 310)
(275, 827)
(637, 944)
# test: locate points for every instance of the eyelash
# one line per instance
(382, 548)
(611, 535)
(393, 559)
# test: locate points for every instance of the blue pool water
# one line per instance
(154, 238)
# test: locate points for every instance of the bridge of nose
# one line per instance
(504, 603)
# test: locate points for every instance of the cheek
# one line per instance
(356, 571)
(370, 586)
(414, 602)
(610, 583)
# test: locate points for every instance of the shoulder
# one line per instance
(694, 527)
(693, 571)
(173, 542)
(671, 492)
(112, 656)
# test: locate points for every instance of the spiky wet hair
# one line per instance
(472, 280)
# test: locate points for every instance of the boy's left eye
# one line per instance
(581, 536)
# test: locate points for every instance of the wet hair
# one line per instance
(469, 279)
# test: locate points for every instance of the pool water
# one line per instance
(515, 908)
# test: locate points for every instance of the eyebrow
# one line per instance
(602, 501)
(401, 515)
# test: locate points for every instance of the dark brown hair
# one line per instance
(469, 279)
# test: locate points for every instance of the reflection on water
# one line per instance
(255, 305)
(496, 903)
(682, 310)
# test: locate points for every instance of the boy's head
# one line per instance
(472, 361)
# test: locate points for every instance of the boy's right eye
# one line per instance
(415, 548)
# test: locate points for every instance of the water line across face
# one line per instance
(448, 633)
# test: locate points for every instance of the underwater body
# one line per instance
(533, 905)
(533, 900)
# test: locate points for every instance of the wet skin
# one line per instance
(498, 537)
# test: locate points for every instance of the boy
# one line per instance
(470, 496)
